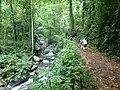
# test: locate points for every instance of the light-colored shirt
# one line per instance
(83, 41)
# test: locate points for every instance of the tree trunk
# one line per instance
(83, 12)
(13, 20)
(71, 18)
(0, 18)
(32, 27)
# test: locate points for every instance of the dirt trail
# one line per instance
(105, 70)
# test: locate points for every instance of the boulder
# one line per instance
(50, 55)
(36, 63)
(23, 86)
(42, 42)
(42, 47)
(52, 58)
(47, 50)
(14, 83)
(36, 58)
(34, 67)
(46, 63)
(32, 73)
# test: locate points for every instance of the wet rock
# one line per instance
(36, 58)
(36, 63)
(23, 86)
(46, 62)
(42, 42)
(47, 50)
(49, 55)
(32, 73)
(34, 67)
(42, 47)
(14, 83)
(52, 58)
(4, 88)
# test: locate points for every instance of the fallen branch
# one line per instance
(31, 56)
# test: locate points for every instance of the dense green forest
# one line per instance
(38, 41)
(101, 24)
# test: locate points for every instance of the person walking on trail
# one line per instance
(83, 43)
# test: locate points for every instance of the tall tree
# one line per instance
(83, 11)
(32, 26)
(71, 19)
(0, 17)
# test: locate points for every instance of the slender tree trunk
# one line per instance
(54, 16)
(71, 18)
(13, 20)
(0, 17)
(83, 11)
(32, 27)
(5, 34)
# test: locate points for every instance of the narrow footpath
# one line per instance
(105, 70)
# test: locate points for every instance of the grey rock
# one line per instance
(36, 58)
(42, 42)
(46, 62)
(13, 83)
(42, 47)
(23, 86)
(4, 88)
(32, 73)
(50, 55)
(47, 50)
(34, 67)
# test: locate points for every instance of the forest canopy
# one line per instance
(48, 31)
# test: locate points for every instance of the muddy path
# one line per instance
(105, 70)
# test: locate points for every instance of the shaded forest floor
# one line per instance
(105, 70)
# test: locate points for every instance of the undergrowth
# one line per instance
(67, 72)
(13, 66)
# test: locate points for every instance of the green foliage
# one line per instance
(67, 71)
(101, 25)
(14, 66)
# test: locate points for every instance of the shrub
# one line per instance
(66, 72)
(14, 66)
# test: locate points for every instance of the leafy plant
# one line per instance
(66, 72)
(14, 66)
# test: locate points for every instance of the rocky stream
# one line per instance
(42, 58)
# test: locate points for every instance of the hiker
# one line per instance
(83, 43)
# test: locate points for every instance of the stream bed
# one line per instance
(44, 55)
